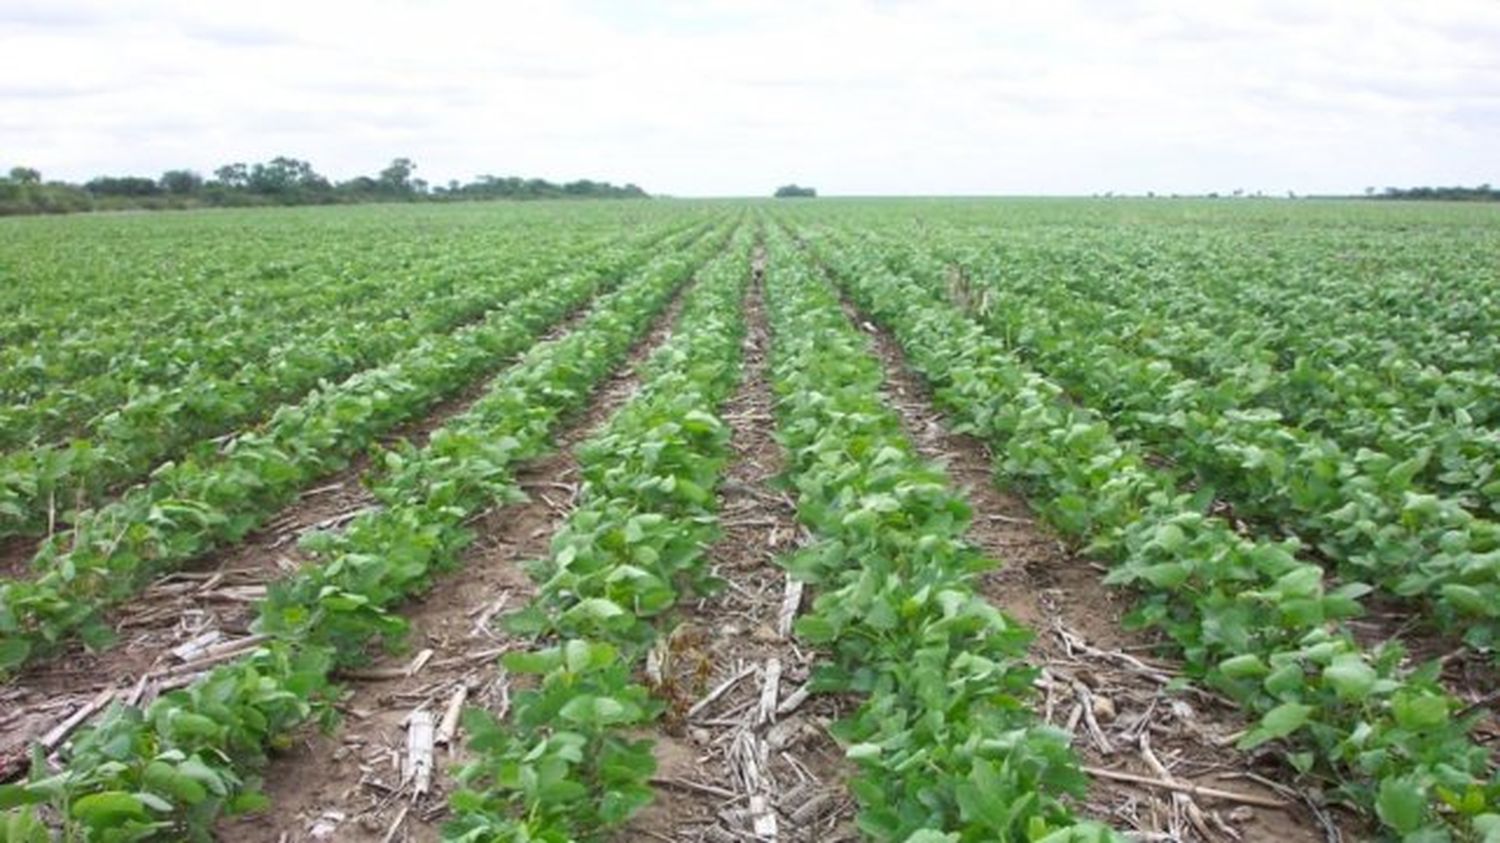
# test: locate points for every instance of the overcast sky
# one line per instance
(734, 98)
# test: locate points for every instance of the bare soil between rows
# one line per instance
(16, 553)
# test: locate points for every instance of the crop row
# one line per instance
(87, 296)
(171, 768)
(212, 499)
(59, 386)
(1373, 337)
(103, 332)
(1394, 404)
(1339, 294)
(945, 743)
(1248, 617)
(141, 429)
(1367, 511)
(56, 392)
(568, 762)
(73, 278)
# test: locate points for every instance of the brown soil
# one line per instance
(16, 553)
(722, 769)
(216, 593)
(1097, 680)
(348, 785)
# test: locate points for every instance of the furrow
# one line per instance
(608, 595)
(719, 669)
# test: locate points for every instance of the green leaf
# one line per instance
(595, 608)
(188, 724)
(13, 652)
(16, 795)
(693, 492)
(1350, 676)
(594, 711)
(579, 709)
(577, 655)
(1286, 680)
(1469, 600)
(1246, 666)
(166, 778)
(1303, 581)
(1169, 537)
(978, 798)
(1488, 828)
(1401, 803)
(1279, 722)
(249, 801)
(531, 662)
(155, 803)
(1420, 711)
(1167, 575)
(527, 621)
(108, 808)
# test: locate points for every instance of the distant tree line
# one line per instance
(792, 191)
(280, 181)
(1482, 193)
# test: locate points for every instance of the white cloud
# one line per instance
(938, 96)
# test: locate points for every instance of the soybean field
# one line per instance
(910, 520)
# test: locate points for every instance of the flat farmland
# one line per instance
(830, 519)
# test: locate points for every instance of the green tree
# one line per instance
(397, 177)
(181, 182)
(286, 177)
(122, 186)
(235, 175)
(283, 181)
